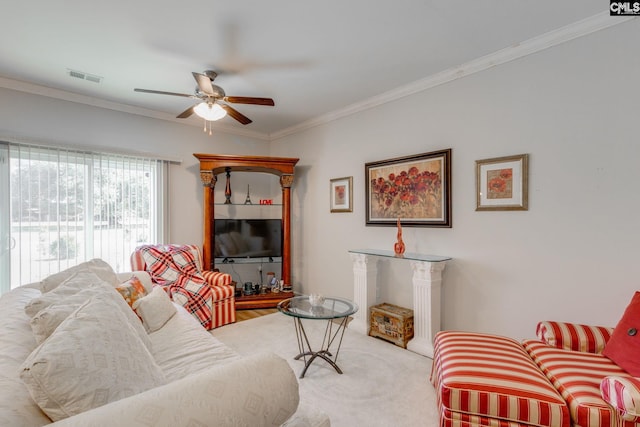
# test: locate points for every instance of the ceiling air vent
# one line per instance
(84, 76)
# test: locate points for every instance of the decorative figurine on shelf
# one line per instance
(227, 189)
(398, 247)
(247, 201)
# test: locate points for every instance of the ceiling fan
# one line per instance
(212, 97)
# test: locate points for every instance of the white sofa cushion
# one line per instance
(154, 309)
(66, 291)
(258, 390)
(16, 342)
(49, 309)
(96, 266)
(182, 347)
(94, 357)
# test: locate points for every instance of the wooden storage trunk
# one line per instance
(391, 323)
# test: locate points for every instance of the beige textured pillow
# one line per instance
(48, 310)
(96, 266)
(66, 291)
(94, 357)
(155, 309)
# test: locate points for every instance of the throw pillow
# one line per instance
(155, 309)
(132, 290)
(97, 266)
(50, 309)
(623, 347)
(94, 357)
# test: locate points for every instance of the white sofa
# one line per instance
(198, 380)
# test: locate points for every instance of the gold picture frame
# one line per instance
(341, 194)
(502, 183)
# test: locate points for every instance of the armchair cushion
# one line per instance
(623, 394)
(220, 284)
(573, 336)
(577, 376)
(624, 346)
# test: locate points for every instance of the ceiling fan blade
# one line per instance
(160, 92)
(249, 100)
(186, 113)
(236, 114)
(204, 83)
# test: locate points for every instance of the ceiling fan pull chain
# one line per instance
(210, 128)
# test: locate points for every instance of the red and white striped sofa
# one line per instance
(223, 301)
(560, 380)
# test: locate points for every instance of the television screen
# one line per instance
(247, 238)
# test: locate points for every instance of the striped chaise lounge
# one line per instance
(559, 380)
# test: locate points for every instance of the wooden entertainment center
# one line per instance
(211, 165)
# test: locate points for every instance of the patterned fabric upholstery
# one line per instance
(218, 306)
(577, 376)
(572, 336)
(490, 380)
(623, 394)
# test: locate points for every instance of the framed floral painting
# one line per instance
(415, 189)
(502, 183)
(340, 194)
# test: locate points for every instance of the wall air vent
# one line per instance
(84, 76)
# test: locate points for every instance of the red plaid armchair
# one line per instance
(209, 296)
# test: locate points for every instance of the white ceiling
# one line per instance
(313, 58)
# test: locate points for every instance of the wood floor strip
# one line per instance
(252, 314)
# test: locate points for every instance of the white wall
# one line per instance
(572, 256)
(33, 118)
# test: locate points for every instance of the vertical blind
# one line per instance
(68, 206)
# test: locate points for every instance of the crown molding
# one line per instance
(536, 44)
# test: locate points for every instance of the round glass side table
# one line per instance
(331, 309)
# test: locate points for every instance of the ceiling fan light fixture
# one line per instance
(209, 111)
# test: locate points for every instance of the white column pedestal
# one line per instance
(427, 284)
(365, 272)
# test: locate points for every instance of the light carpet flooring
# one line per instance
(382, 385)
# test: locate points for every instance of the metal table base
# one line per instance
(331, 332)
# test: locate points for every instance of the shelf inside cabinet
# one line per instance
(260, 260)
(257, 205)
(268, 300)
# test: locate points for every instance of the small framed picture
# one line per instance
(340, 192)
(502, 183)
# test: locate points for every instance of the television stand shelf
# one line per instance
(268, 300)
(247, 260)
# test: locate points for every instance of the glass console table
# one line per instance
(427, 282)
(332, 308)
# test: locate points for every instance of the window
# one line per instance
(66, 207)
